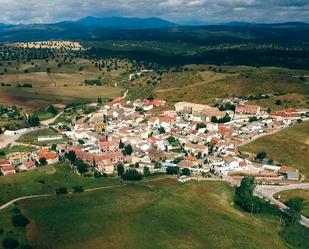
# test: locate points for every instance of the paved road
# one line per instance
(267, 192)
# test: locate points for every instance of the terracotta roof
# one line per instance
(287, 169)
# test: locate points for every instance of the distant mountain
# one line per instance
(124, 22)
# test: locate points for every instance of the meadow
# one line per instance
(289, 147)
(158, 214)
(44, 180)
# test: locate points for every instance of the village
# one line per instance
(146, 135)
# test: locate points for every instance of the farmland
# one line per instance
(289, 146)
(180, 216)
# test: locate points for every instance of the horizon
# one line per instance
(177, 11)
(187, 23)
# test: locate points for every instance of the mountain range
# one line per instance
(131, 28)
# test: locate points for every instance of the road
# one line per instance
(267, 192)
(7, 140)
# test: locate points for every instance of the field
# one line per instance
(240, 81)
(159, 214)
(45, 180)
(61, 85)
(289, 146)
(298, 193)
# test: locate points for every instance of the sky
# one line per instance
(179, 11)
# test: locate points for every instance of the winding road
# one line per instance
(267, 192)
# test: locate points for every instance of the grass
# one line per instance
(159, 214)
(289, 146)
(32, 138)
(45, 180)
(297, 193)
(239, 82)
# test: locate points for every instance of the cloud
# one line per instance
(181, 11)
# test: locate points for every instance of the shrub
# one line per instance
(132, 175)
(172, 170)
(10, 243)
(61, 190)
(78, 189)
(19, 220)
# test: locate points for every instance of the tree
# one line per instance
(132, 175)
(19, 220)
(261, 156)
(51, 109)
(185, 172)
(162, 130)
(53, 147)
(128, 150)
(10, 243)
(43, 161)
(121, 144)
(146, 171)
(81, 166)
(214, 119)
(278, 102)
(78, 189)
(120, 170)
(61, 190)
(71, 156)
(99, 101)
(172, 170)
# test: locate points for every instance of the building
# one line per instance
(289, 173)
(26, 166)
(248, 109)
(49, 138)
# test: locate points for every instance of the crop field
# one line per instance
(158, 214)
(289, 146)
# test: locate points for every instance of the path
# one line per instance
(200, 83)
(51, 120)
(6, 205)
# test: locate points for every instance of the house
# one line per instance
(51, 157)
(7, 170)
(248, 109)
(290, 113)
(27, 166)
(289, 173)
(196, 149)
(108, 146)
(49, 138)
(154, 122)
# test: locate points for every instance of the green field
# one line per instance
(160, 214)
(297, 193)
(289, 146)
(45, 180)
(32, 138)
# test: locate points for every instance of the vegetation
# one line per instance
(45, 180)
(145, 209)
(289, 147)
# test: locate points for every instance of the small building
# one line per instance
(248, 109)
(289, 173)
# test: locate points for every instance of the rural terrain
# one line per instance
(154, 137)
